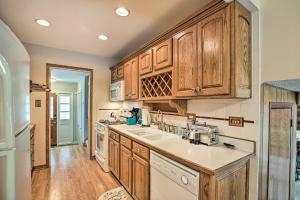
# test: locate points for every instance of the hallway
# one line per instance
(71, 176)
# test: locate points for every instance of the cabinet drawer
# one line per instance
(140, 150)
(114, 135)
(125, 142)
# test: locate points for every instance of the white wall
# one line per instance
(39, 56)
(280, 31)
(60, 87)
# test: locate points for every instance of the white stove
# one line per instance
(101, 136)
(101, 153)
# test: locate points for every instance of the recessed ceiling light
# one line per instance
(123, 12)
(42, 22)
(102, 37)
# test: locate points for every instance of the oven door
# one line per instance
(100, 143)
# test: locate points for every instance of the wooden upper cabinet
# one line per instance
(140, 178)
(134, 78)
(117, 73)
(131, 78)
(185, 62)
(145, 62)
(163, 55)
(114, 74)
(127, 80)
(242, 51)
(214, 54)
(120, 72)
(126, 168)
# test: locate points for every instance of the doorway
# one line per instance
(69, 107)
(278, 152)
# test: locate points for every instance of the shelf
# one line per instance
(157, 87)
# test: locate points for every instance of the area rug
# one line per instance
(116, 194)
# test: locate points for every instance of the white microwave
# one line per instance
(117, 91)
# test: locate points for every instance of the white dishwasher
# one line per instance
(171, 180)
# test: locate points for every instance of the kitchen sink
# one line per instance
(155, 137)
(152, 135)
(139, 132)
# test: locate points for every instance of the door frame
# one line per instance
(50, 66)
(54, 95)
(270, 93)
(285, 105)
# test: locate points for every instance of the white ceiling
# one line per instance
(68, 75)
(76, 23)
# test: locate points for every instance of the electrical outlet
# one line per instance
(236, 121)
(38, 103)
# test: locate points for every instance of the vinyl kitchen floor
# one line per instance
(71, 176)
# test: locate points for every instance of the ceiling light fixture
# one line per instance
(42, 22)
(121, 11)
(102, 37)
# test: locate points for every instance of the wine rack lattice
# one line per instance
(157, 86)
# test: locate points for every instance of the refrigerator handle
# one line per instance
(6, 100)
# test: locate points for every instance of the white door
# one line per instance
(65, 123)
(79, 118)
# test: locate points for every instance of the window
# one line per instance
(64, 107)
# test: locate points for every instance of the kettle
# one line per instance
(146, 118)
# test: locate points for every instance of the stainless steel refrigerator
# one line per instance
(15, 174)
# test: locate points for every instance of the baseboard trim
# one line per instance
(39, 167)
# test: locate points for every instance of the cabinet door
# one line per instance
(114, 75)
(140, 178)
(214, 54)
(127, 80)
(120, 72)
(134, 78)
(185, 62)
(111, 154)
(126, 168)
(145, 62)
(117, 159)
(163, 55)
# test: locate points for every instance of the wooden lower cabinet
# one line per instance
(129, 162)
(140, 176)
(126, 168)
(114, 157)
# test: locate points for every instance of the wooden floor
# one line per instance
(72, 177)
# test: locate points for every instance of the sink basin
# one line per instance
(139, 132)
(155, 137)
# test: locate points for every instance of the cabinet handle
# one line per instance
(194, 90)
(138, 150)
(198, 89)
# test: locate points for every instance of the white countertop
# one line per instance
(211, 158)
